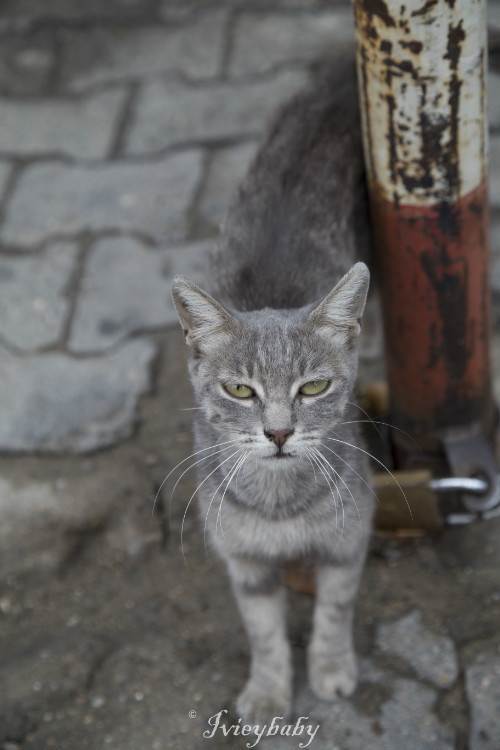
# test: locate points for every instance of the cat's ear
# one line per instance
(343, 307)
(206, 324)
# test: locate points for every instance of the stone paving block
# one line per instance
(432, 656)
(227, 168)
(126, 288)
(22, 13)
(190, 260)
(44, 521)
(5, 169)
(264, 41)
(406, 720)
(170, 113)
(101, 56)
(55, 403)
(419, 730)
(82, 128)
(26, 63)
(149, 198)
(33, 303)
(32, 513)
(482, 682)
(180, 9)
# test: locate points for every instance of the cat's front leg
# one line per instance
(261, 600)
(331, 658)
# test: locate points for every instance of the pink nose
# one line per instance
(278, 436)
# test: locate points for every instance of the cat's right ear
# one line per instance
(206, 324)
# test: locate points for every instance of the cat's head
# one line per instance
(273, 380)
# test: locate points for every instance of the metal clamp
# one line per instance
(469, 454)
(475, 486)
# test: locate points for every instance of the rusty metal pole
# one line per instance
(422, 73)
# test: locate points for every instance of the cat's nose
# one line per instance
(279, 436)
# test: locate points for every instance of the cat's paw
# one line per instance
(331, 679)
(257, 706)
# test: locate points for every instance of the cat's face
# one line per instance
(274, 380)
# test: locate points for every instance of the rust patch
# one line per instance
(425, 8)
(414, 46)
(448, 278)
(370, 31)
(378, 8)
(432, 151)
(405, 66)
(391, 137)
(448, 219)
(453, 171)
(456, 36)
(438, 135)
(431, 134)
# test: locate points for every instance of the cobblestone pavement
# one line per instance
(124, 127)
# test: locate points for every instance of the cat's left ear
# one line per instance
(343, 307)
(207, 325)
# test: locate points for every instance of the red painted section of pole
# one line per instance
(434, 272)
(421, 70)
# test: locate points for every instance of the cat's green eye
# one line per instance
(240, 391)
(314, 387)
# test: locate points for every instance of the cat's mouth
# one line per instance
(280, 454)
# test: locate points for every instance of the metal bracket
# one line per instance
(469, 454)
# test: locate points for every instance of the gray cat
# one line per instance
(273, 366)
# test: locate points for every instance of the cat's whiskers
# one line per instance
(370, 420)
(191, 466)
(360, 408)
(306, 454)
(380, 463)
(300, 455)
(343, 482)
(234, 472)
(249, 452)
(332, 474)
(194, 493)
(352, 469)
(226, 478)
(313, 454)
(196, 453)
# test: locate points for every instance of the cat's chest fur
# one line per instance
(326, 535)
